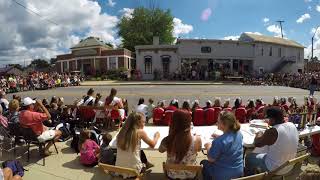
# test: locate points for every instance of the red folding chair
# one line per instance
(168, 114)
(209, 116)
(241, 114)
(158, 114)
(198, 118)
(87, 115)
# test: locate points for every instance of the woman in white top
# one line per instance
(129, 152)
(142, 108)
(181, 146)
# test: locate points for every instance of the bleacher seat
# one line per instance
(198, 118)
(209, 115)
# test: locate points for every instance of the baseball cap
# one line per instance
(28, 101)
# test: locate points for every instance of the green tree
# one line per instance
(39, 64)
(143, 25)
(18, 66)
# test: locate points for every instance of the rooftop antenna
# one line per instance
(280, 22)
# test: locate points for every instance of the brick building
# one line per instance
(92, 56)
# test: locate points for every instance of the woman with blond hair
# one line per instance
(225, 154)
(129, 152)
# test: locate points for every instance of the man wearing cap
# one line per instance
(3, 101)
(279, 144)
(30, 118)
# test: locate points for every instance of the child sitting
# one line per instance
(107, 154)
(89, 149)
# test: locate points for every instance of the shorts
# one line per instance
(47, 135)
(1, 174)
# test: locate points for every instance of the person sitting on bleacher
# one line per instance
(181, 146)
(281, 142)
(208, 105)
(226, 106)
(31, 119)
(196, 105)
(186, 106)
(251, 111)
(87, 100)
(142, 108)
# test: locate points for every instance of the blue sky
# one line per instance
(26, 36)
(231, 17)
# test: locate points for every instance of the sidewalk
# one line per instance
(128, 83)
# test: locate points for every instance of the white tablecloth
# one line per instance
(205, 133)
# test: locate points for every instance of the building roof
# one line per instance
(269, 39)
(10, 70)
(91, 42)
(156, 47)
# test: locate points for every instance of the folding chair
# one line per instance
(296, 162)
(260, 176)
(31, 138)
(181, 167)
(111, 170)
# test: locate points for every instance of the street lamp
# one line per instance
(312, 39)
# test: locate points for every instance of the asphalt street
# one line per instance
(169, 92)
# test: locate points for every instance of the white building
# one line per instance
(250, 54)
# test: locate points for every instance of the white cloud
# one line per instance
(316, 45)
(307, 1)
(275, 29)
(236, 37)
(26, 36)
(231, 38)
(180, 28)
(127, 12)
(257, 33)
(111, 3)
(318, 8)
(303, 18)
(265, 20)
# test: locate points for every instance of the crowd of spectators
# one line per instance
(225, 153)
(37, 81)
(296, 80)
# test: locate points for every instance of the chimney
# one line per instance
(155, 40)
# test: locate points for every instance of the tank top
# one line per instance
(284, 149)
(189, 159)
(130, 159)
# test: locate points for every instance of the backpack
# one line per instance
(65, 130)
(95, 136)
(75, 140)
(15, 166)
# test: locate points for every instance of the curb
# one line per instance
(161, 84)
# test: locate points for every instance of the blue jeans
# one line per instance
(255, 161)
(206, 170)
(312, 89)
(212, 171)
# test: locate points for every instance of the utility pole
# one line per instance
(312, 41)
(280, 22)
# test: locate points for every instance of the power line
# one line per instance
(32, 11)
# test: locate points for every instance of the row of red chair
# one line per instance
(202, 117)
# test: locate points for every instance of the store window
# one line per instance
(112, 63)
(148, 65)
(206, 49)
